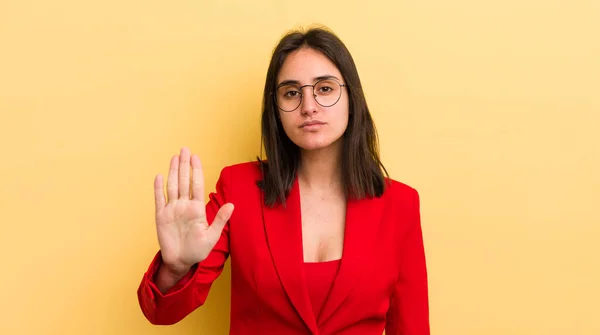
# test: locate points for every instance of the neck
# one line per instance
(321, 170)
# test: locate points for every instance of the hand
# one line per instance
(184, 235)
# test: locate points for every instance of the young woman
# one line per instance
(321, 240)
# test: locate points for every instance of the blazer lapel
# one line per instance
(362, 223)
(284, 235)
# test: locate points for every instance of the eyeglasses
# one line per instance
(327, 92)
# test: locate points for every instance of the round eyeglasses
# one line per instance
(288, 96)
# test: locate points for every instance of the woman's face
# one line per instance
(312, 125)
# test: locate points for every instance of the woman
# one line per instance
(321, 241)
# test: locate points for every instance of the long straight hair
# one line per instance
(363, 174)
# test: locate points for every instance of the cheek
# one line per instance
(287, 122)
(342, 118)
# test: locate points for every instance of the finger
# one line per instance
(159, 194)
(223, 215)
(197, 179)
(172, 190)
(184, 173)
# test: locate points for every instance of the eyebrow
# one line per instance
(296, 82)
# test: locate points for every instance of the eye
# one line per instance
(291, 94)
(325, 89)
(288, 92)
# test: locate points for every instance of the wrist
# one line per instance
(167, 276)
(176, 271)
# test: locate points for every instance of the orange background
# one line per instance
(490, 109)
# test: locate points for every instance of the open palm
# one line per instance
(184, 234)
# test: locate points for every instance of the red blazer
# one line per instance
(381, 284)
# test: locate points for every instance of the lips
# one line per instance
(311, 123)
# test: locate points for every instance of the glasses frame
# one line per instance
(300, 90)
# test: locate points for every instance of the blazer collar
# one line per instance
(283, 226)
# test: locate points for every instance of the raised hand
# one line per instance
(184, 234)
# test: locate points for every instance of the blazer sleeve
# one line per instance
(408, 313)
(192, 290)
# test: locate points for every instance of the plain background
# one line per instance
(491, 109)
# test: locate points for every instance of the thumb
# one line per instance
(223, 215)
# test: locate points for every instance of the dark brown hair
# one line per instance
(362, 170)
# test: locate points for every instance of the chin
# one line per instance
(315, 143)
(312, 147)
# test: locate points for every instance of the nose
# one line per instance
(309, 104)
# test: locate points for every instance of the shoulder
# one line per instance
(401, 193)
(251, 168)
(397, 188)
(243, 173)
(402, 204)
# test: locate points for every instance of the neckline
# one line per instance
(324, 262)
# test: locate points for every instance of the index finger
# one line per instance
(197, 179)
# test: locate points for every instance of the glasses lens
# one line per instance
(288, 97)
(327, 92)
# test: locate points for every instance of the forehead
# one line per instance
(305, 64)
